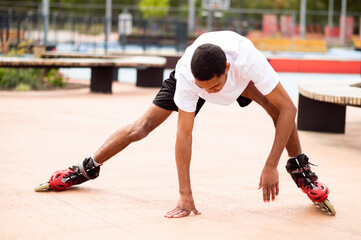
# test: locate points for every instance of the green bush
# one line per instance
(2, 72)
(55, 78)
(11, 78)
(22, 87)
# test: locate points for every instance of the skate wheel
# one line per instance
(327, 205)
(43, 187)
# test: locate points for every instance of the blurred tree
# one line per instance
(90, 6)
(154, 8)
(271, 4)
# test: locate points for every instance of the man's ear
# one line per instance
(228, 66)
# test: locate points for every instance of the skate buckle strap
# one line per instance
(83, 171)
(299, 170)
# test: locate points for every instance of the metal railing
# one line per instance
(87, 32)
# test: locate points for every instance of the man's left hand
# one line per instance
(269, 183)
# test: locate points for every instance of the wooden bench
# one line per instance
(172, 58)
(322, 106)
(149, 69)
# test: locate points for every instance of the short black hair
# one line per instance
(208, 60)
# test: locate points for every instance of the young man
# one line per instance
(219, 67)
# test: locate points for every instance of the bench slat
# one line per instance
(333, 92)
(136, 61)
(149, 68)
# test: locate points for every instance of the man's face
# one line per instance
(215, 84)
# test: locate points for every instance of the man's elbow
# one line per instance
(184, 135)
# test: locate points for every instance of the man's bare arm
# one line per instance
(287, 113)
(293, 145)
(284, 125)
(183, 152)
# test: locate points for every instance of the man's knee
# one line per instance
(140, 129)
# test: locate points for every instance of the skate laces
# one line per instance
(73, 175)
(309, 178)
(313, 164)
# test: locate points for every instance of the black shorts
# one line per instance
(164, 98)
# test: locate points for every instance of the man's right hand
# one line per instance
(269, 182)
(184, 208)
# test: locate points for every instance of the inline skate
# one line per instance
(74, 175)
(300, 171)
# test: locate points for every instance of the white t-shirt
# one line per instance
(246, 64)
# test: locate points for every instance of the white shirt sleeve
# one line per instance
(185, 97)
(260, 72)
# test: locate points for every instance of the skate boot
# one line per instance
(300, 171)
(74, 175)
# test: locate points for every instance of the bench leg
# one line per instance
(101, 79)
(115, 74)
(150, 77)
(320, 116)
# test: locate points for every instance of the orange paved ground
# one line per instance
(46, 131)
